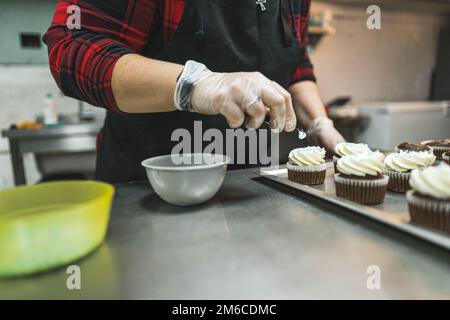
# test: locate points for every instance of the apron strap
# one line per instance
(200, 34)
(285, 11)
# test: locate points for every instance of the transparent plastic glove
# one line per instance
(242, 97)
(322, 132)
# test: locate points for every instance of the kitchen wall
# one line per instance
(23, 17)
(391, 64)
(25, 79)
(22, 92)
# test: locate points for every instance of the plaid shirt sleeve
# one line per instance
(304, 70)
(82, 60)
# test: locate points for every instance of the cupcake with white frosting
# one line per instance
(438, 146)
(429, 199)
(410, 146)
(307, 165)
(348, 149)
(361, 178)
(400, 164)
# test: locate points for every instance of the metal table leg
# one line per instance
(17, 163)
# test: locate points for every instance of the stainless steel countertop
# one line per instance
(253, 240)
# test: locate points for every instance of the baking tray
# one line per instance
(392, 212)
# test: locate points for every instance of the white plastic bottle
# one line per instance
(50, 112)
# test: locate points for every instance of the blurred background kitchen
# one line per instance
(382, 86)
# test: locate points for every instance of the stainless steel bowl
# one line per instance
(187, 179)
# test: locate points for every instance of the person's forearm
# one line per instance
(142, 85)
(307, 102)
(312, 115)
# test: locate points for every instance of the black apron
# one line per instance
(225, 35)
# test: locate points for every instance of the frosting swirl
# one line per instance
(365, 164)
(348, 149)
(432, 181)
(309, 156)
(408, 160)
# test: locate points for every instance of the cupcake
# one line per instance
(361, 178)
(429, 199)
(438, 146)
(307, 165)
(400, 164)
(446, 157)
(409, 146)
(348, 149)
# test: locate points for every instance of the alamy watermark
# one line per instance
(73, 21)
(373, 281)
(73, 281)
(242, 146)
(374, 20)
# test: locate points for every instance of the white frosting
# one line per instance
(365, 164)
(408, 160)
(348, 149)
(301, 134)
(432, 181)
(309, 156)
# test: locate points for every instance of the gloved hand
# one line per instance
(322, 132)
(239, 97)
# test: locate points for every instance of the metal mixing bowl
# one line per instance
(187, 179)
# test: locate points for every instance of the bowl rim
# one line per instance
(226, 161)
(105, 188)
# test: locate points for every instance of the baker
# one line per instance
(161, 65)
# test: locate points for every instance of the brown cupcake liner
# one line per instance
(445, 158)
(335, 160)
(398, 181)
(437, 150)
(309, 175)
(431, 213)
(361, 191)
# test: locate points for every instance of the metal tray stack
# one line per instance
(392, 212)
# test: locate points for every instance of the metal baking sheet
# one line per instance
(393, 211)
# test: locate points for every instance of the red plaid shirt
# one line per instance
(82, 61)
